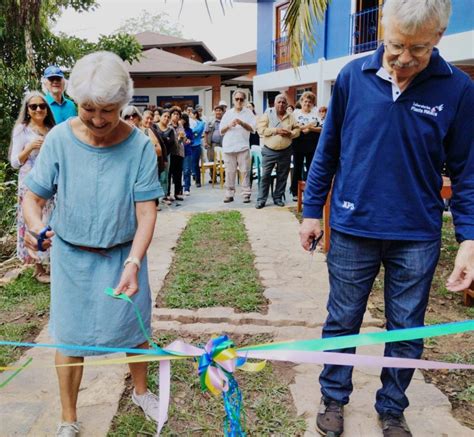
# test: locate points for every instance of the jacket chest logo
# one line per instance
(425, 109)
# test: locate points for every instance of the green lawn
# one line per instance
(213, 266)
(24, 307)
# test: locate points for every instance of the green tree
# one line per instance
(28, 47)
(159, 23)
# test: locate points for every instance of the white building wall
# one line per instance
(454, 48)
(204, 95)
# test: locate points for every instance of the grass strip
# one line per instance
(213, 266)
(24, 307)
(268, 405)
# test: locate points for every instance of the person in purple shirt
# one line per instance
(395, 118)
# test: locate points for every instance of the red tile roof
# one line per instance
(150, 40)
(247, 58)
(157, 62)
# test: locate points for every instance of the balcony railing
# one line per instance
(365, 32)
(281, 54)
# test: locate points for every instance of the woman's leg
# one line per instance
(298, 158)
(178, 176)
(187, 172)
(139, 372)
(69, 379)
(195, 165)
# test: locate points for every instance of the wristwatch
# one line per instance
(133, 260)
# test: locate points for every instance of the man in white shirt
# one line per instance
(236, 125)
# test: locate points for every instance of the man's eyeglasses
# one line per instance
(417, 51)
(239, 99)
(35, 106)
(127, 117)
(54, 78)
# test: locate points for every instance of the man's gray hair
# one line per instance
(412, 15)
(281, 96)
(241, 92)
(100, 78)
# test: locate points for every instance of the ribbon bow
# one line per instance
(217, 364)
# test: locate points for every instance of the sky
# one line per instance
(194, 19)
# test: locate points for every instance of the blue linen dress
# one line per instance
(96, 190)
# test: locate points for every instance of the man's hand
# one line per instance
(309, 230)
(463, 273)
(283, 132)
(128, 281)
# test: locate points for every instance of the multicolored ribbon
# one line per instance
(219, 359)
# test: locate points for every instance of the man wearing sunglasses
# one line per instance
(395, 118)
(235, 126)
(54, 84)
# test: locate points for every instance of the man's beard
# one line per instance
(401, 65)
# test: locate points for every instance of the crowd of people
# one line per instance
(130, 163)
(90, 186)
(183, 139)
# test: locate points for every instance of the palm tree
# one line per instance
(300, 20)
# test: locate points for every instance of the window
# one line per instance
(281, 52)
(300, 91)
(365, 26)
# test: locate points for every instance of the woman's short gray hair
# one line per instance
(130, 110)
(100, 78)
(412, 15)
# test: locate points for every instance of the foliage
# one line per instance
(126, 46)
(8, 199)
(24, 304)
(300, 21)
(159, 23)
(29, 46)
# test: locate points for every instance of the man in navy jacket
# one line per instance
(394, 119)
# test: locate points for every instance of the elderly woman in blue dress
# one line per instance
(103, 173)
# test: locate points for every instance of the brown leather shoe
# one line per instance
(228, 199)
(394, 426)
(330, 420)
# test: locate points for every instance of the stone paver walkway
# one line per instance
(296, 286)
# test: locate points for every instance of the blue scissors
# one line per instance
(41, 237)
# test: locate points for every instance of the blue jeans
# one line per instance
(196, 156)
(187, 172)
(353, 264)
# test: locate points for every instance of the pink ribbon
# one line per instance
(294, 356)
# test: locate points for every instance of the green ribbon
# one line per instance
(111, 292)
(332, 343)
(16, 372)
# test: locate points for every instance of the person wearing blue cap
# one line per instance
(54, 85)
